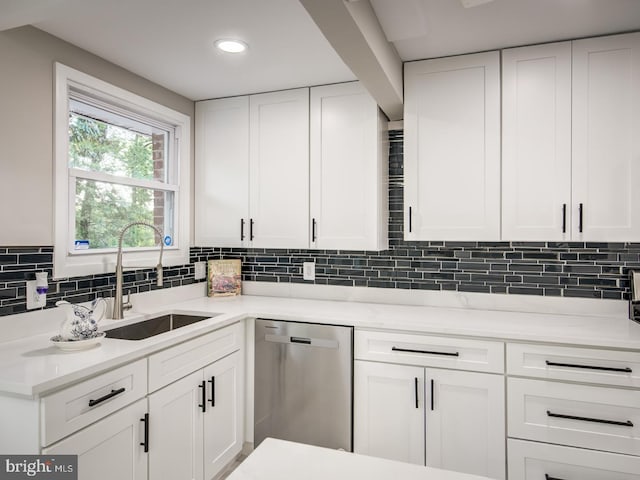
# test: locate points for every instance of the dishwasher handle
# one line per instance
(292, 340)
(306, 341)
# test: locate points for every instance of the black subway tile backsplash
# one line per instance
(569, 269)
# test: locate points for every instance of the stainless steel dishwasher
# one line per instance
(303, 383)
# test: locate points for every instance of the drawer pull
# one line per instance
(427, 352)
(590, 367)
(627, 423)
(145, 443)
(93, 403)
(549, 477)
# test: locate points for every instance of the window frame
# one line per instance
(72, 263)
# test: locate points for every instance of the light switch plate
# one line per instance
(200, 270)
(309, 270)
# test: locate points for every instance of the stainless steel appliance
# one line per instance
(303, 383)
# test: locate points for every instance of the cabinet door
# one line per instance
(465, 422)
(222, 172)
(389, 411)
(110, 448)
(279, 169)
(536, 142)
(223, 421)
(606, 144)
(348, 169)
(452, 148)
(175, 443)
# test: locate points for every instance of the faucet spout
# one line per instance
(118, 306)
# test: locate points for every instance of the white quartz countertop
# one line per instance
(282, 460)
(32, 366)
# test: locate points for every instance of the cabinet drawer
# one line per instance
(430, 351)
(176, 362)
(577, 415)
(73, 408)
(608, 367)
(537, 461)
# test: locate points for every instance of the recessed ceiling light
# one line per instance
(231, 46)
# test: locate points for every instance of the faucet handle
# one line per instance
(127, 305)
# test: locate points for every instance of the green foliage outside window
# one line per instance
(102, 208)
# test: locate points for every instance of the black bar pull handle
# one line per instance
(313, 230)
(145, 442)
(580, 213)
(251, 229)
(549, 477)
(213, 391)
(432, 398)
(626, 423)
(416, 391)
(241, 229)
(203, 405)
(113, 393)
(410, 224)
(426, 352)
(564, 218)
(589, 367)
(306, 341)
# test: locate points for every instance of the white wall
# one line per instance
(27, 56)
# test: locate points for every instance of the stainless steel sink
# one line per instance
(155, 326)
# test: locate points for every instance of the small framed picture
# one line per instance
(224, 278)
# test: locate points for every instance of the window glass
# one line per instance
(103, 209)
(103, 141)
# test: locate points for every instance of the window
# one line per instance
(120, 158)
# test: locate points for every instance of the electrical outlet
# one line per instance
(309, 270)
(200, 270)
(35, 299)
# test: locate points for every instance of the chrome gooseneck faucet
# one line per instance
(118, 306)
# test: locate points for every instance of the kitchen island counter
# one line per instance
(282, 460)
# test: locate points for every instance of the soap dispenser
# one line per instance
(634, 295)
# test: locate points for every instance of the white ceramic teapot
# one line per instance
(81, 323)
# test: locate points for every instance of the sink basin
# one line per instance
(155, 326)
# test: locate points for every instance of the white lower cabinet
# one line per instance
(197, 423)
(442, 418)
(577, 417)
(112, 448)
(389, 411)
(542, 461)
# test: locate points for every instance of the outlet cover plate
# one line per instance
(35, 300)
(309, 270)
(200, 270)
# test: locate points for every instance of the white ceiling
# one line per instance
(435, 28)
(170, 41)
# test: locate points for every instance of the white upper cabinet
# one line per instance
(222, 171)
(270, 173)
(570, 146)
(452, 148)
(349, 207)
(606, 139)
(536, 143)
(279, 169)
